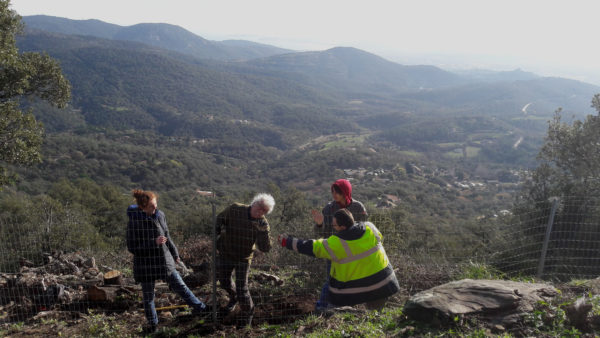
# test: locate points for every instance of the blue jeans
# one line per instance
(178, 286)
(323, 301)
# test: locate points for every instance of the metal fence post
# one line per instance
(214, 260)
(540, 269)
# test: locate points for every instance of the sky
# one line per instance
(551, 38)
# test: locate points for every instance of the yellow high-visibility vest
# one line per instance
(353, 259)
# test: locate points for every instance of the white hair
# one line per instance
(265, 200)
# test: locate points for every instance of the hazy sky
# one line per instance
(547, 37)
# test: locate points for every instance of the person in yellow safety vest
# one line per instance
(360, 270)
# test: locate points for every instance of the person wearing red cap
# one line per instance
(341, 191)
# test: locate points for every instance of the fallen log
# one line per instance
(102, 294)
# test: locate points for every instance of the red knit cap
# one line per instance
(346, 188)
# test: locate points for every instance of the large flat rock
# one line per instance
(502, 302)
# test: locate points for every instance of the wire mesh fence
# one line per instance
(240, 271)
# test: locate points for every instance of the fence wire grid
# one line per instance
(42, 267)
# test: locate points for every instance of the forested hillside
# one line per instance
(426, 147)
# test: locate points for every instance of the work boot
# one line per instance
(150, 329)
(204, 312)
(244, 318)
(230, 307)
(324, 309)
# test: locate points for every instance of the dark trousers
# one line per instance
(238, 292)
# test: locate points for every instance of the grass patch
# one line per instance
(472, 151)
(410, 153)
(473, 270)
(530, 118)
(451, 145)
(453, 155)
(345, 141)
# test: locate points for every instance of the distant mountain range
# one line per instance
(157, 107)
(161, 35)
(180, 83)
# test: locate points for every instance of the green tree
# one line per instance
(569, 159)
(23, 75)
(569, 169)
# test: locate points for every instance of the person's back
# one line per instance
(359, 263)
(361, 271)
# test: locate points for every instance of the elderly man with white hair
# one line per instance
(241, 228)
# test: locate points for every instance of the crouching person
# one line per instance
(360, 269)
(241, 228)
(155, 255)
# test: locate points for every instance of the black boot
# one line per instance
(150, 329)
(231, 305)
(244, 318)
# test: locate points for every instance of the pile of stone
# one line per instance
(70, 282)
(63, 281)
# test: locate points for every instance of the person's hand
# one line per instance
(161, 240)
(177, 260)
(282, 239)
(317, 217)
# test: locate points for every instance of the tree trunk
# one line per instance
(102, 294)
(113, 277)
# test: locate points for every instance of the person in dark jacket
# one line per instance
(155, 255)
(241, 228)
(341, 191)
(361, 271)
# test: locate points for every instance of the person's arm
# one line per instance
(131, 240)
(170, 244)
(317, 218)
(359, 212)
(222, 219)
(309, 247)
(323, 228)
(263, 241)
(302, 246)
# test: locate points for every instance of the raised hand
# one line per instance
(317, 217)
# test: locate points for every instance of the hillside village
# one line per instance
(440, 176)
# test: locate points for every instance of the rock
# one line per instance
(90, 263)
(25, 262)
(499, 328)
(52, 295)
(500, 302)
(165, 314)
(407, 330)
(46, 315)
(47, 258)
(91, 273)
(263, 276)
(301, 274)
